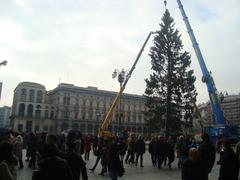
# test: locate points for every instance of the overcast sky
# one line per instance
(83, 41)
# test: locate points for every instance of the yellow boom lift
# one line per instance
(103, 130)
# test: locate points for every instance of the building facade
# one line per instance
(71, 107)
(230, 107)
(5, 113)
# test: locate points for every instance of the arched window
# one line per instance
(21, 109)
(38, 111)
(30, 110)
(39, 96)
(23, 94)
(31, 95)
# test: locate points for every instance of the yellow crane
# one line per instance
(103, 130)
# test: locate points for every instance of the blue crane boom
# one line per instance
(218, 117)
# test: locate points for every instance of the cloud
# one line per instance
(82, 42)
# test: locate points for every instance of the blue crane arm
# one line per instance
(207, 78)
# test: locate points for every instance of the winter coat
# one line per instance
(183, 147)
(88, 142)
(53, 168)
(229, 165)
(170, 151)
(122, 148)
(161, 149)
(191, 170)
(152, 147)
(18, 147)
(206, 154)
(140, 146)
(131, 146)
(115, 166)
(77, 165)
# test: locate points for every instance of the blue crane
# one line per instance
(218, 122)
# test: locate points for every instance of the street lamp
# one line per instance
(3, 63)
(98, 116)
(121, 75)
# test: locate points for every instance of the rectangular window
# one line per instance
(36, 128)
(46, 114)
(20, 127)
(45, 128)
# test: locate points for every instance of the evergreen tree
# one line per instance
(166, 93)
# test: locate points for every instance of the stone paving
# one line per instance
(148, 172)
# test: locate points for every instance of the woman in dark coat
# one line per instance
(114, 164)
(229, 163)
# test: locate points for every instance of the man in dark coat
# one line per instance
(52, 166)
(152, 150)
(75, 162)
(206, 155)
(161, 151)
(191, 169)
(229, 163)
(140, 150)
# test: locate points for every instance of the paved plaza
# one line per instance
(148, 172)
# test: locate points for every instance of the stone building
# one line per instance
(71, 107)
(230, 107)
(5, 113)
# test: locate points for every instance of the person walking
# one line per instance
(191, 168)
(152, 150)
(170, 152)
(130, 150)
(98, 153)
(115, 167)
(75, 162)
(52, 166)
(207, 155)
(229, 164)
(160, 151)
(182, 150)
(122, 145)
(88, 142)
(18, 147)
(140, 150)
(32, 148)
(8, 162)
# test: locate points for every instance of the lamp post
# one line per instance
(121, 75)
(99, 116)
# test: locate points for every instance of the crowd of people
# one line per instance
(61, 156)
